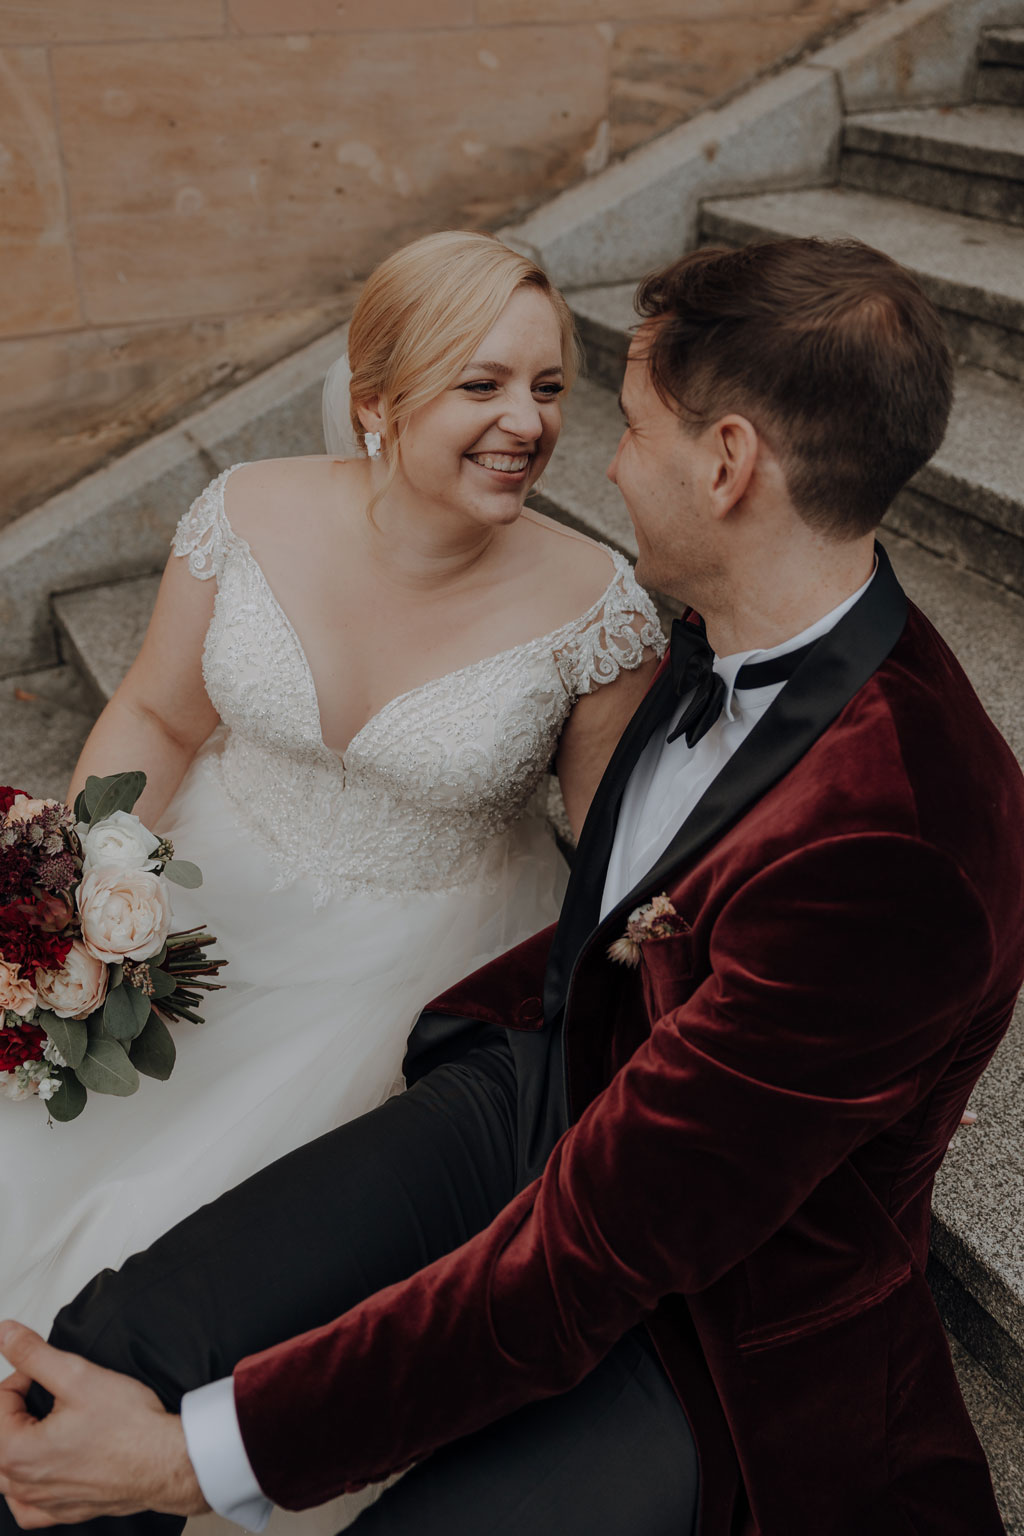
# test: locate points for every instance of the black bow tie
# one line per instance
(691, 661)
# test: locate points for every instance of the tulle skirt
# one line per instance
(310, 1032)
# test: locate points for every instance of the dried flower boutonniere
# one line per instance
(657, 920)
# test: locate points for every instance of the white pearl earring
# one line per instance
(372, 441)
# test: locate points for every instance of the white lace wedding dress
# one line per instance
(345, 893)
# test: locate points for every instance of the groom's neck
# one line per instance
(763, 596)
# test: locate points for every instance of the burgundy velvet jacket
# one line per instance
(756, 1114)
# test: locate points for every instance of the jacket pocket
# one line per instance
(752, 1340)
(667, 969)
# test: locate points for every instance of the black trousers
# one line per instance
(351, 1212)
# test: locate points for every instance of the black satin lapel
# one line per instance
(582, 905)
(820, 688)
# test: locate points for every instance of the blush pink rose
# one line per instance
(77, 988)
(16, 993)
(24, 808)
(125, 914)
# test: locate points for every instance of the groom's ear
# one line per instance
(735, 446)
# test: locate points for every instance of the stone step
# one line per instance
(1001, 66)
(45, 716)
(1002, 45)
(100, 630)
(966, 504)
(972, 268)
(999, 1422)
(966, 159)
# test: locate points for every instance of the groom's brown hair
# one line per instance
(828, 347)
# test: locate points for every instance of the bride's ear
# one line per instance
(369, 414)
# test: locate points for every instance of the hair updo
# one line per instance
(422, 315)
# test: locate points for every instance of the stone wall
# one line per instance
(191, 188)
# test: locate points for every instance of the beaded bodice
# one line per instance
(431, 783)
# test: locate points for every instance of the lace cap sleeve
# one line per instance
(612, 636)
(204, 532)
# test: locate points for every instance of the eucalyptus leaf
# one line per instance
(70, 1036)
(120, 794)
(81, 811)
(105, 1068)
(153, 1052)
(163, 985)
(94, 787)
(69, 1100)
(125, 1012)
(183, 873)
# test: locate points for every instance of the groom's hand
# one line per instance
(108, 1447)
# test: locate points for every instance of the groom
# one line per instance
(642, 1248)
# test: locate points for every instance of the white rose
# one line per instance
(16, 993)
(77, 989)
(119, 841)
(125, 913)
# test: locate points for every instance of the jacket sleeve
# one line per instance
(841, 978)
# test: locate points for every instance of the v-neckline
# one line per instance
(409, 693)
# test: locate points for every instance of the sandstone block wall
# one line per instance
(190, 188)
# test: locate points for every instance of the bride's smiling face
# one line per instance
(478, 447)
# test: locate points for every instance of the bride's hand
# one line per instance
(108, 1447)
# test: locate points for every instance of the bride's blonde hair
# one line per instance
(422, 315)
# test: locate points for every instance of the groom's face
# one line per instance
(664, 474)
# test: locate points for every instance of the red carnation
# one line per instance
(8, 797)
(20, 1043)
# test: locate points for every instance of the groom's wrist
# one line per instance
(178, 1491)
(218, 1458)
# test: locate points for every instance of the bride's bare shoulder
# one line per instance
(578, 567)
(265, 494)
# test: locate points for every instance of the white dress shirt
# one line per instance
(668, 780)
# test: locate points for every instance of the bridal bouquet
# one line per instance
(89, 969)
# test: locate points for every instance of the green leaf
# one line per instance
(69, 1100)
(184, 873)
(163, 985)
(153, 1052)
(93, 790)
(81, 810)
(119, 794)
(125, 1012)
(70, 1036)
(105, 1068)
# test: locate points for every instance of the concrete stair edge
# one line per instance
(1002, 45)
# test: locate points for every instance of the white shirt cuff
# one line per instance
(215, 1447)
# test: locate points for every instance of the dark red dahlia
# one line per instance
(24, 944)
(20, 1043)
(8, 797)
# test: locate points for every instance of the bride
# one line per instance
(356, 676)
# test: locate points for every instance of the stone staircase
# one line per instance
(942, 190)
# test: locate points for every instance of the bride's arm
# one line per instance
(161, 714)
(590, 735)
